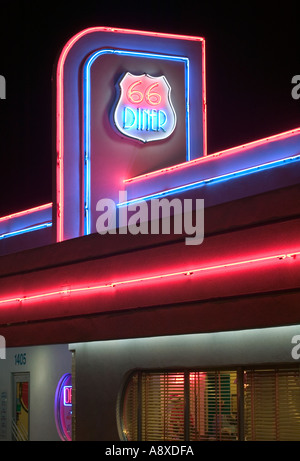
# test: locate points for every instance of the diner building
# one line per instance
(156, 298)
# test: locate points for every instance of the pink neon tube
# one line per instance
(186, 272)
(26, 212)
(216, 155)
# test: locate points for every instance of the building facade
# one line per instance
(184, 332)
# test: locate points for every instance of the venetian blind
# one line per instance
(272, 405)
(180, 406)
(162, 406)
(213, 405)
(130, 409)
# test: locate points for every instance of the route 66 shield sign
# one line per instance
(144, 110)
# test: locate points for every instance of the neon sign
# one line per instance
(180, 58)
(142, 94)
(144, 110)
(63, 407)
(67, 393)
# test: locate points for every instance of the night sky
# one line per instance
(252, 51)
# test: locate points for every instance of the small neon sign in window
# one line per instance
(144, 110)
(67, 396)
(63, 407)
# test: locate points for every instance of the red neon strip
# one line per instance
(89, 289)
(216, 155)
(140, 32)
(26, 212)
(60, 105)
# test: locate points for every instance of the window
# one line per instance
(207, 405)
(272, 404)
(179, 406)
(163, 405)
(213, 405)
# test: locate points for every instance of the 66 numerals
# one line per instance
(135, 96)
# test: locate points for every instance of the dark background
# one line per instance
(252, 53)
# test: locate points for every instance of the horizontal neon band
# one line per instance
(135, 32)
(189, 272)
(232, 150)
(26, 230)
(214, 180)
(26, 212)
(152, 34)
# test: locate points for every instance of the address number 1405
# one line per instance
(20, 359)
